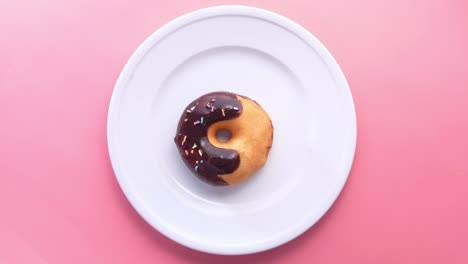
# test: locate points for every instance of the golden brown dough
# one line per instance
(251, 136)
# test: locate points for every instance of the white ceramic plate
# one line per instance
(252, 52)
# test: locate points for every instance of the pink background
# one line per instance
(406, 200)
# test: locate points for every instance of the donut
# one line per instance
(219, 162)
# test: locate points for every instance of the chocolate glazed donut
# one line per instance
(224, 162)
(198, 153)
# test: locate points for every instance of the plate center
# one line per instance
(240, 70)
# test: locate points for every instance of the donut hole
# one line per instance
(223, 135)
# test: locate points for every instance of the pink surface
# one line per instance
(406, 200)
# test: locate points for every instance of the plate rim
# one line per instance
(187, 18)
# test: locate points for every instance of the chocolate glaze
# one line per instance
(203, 158)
